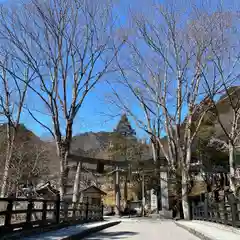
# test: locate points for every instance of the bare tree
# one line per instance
(69, 46)
(225, 63)
(168, 86)
(29, 164)
(229, 102)
(12, 100)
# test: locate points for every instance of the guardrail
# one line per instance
(18, 214)
(225, 212)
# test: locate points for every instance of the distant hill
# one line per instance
(23, 135)
(210, 129)
(90, 141)
(224, 108)
(97, 144)
(91, 144)
(30, 154)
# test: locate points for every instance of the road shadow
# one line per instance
(111, 235)
(58, 234)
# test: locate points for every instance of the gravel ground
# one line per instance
(144, 230)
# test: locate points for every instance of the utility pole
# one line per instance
(117, 193)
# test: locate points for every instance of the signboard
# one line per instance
(153, 200)
(164, 190)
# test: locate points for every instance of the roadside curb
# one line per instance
(90, 231)
(194, 232)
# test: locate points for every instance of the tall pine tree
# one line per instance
(124, 128)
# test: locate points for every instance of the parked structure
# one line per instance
(92, 195)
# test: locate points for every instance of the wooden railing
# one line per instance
(225, 212)
(18, 214)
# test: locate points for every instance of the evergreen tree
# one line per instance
(124, 128)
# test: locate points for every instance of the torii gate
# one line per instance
(145, 166)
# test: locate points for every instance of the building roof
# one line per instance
(96, 188)
(198, 188)
(46, 187)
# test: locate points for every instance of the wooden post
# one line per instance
(102, 210)
(77, 211)
(218, 213)
(117, 192)
(74, 206)
(193, 211)
(224, 215)
(86, 213)
(44, 212)
(8, 215)
(29, 214)
(206, 207)
(57, 209)
(80, 210)
(234, 210)
(65, 210)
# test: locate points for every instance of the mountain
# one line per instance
(32, 158)
(211, 129)
(226, 112)
(211, 134)
(24, 134)
(97, 144)
(90, 144)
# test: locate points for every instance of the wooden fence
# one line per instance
(21, 213)
(226, 211)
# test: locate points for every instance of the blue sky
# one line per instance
(95, 113)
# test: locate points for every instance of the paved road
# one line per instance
(144, 230)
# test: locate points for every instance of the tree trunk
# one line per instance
(185, 204)
(154, 152)
(232, 168)
(61, 181)
(7, 162)
(5, 177)
(77, 183)
(143, 195)
(178, 203)
(63, 155)
(156, 159)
